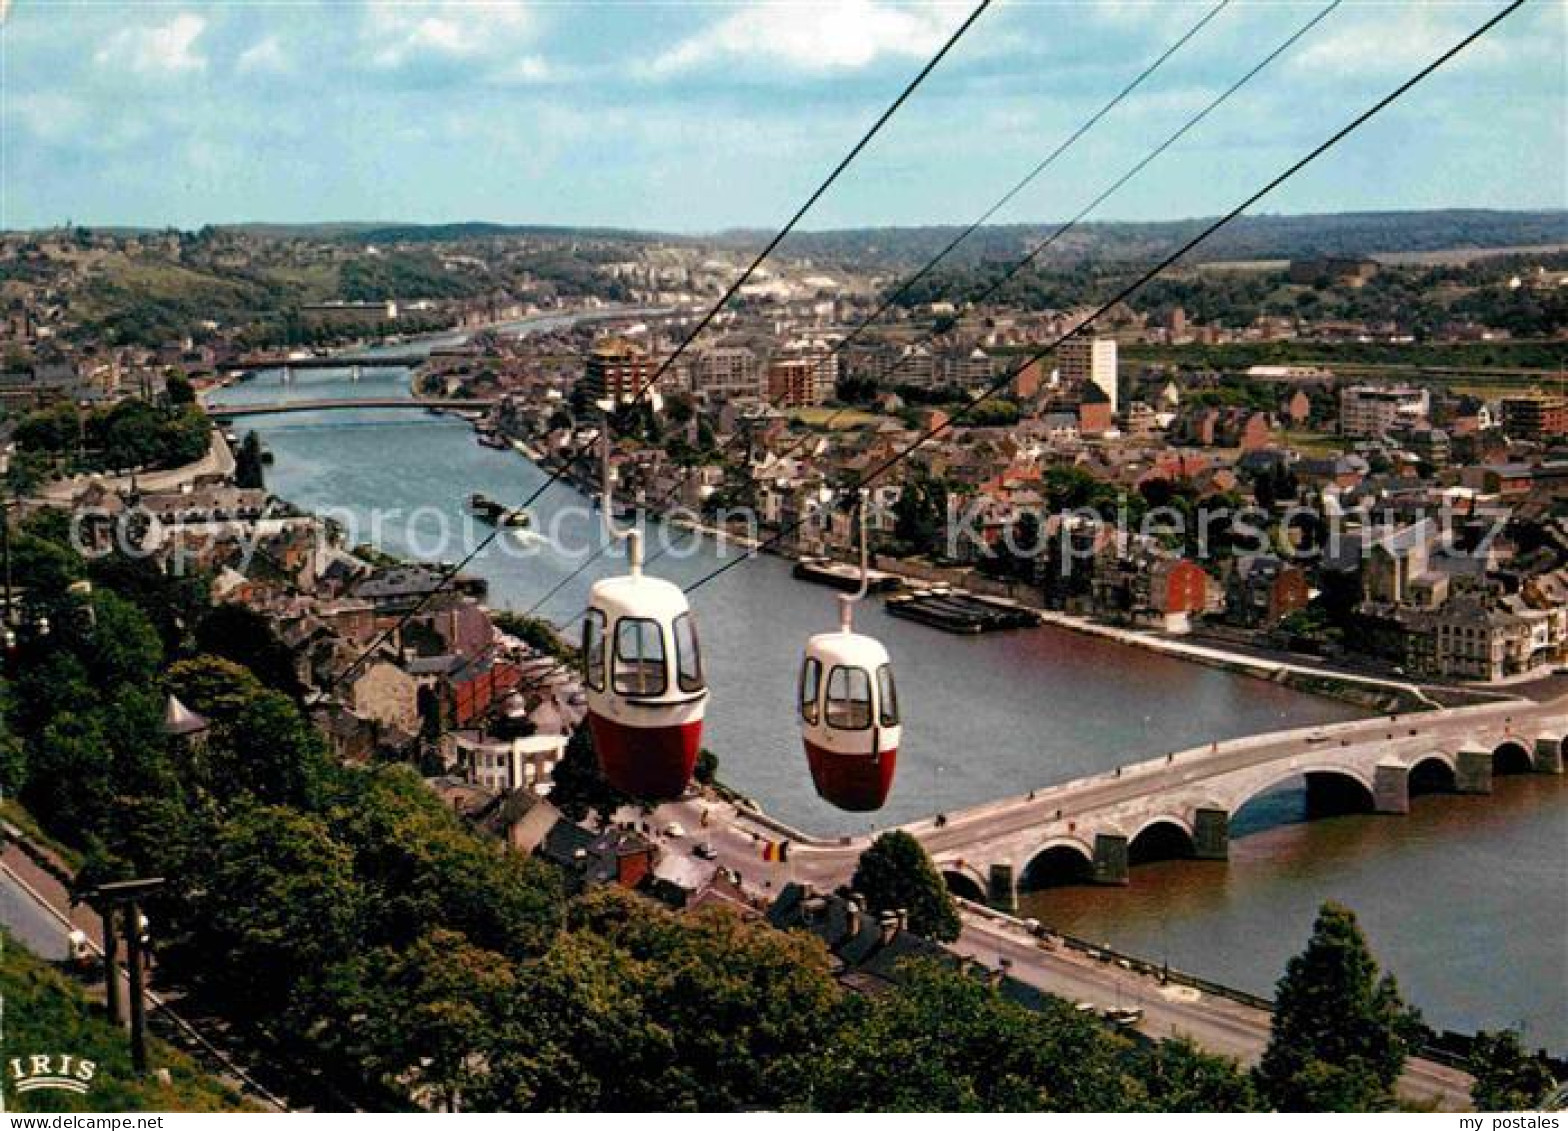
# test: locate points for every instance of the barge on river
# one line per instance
(824, 571)
(960, 612)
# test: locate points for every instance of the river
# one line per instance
(997, 715)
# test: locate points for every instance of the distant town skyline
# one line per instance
(702, 117)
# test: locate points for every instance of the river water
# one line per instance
(997, 715)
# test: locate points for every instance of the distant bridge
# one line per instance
(456, 404)
(377, 361)
(1093, 829)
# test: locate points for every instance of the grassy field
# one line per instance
(46, 1014)
(842, 418)
(1314, 443)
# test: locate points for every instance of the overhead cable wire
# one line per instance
(1126, 292)
(450, 574)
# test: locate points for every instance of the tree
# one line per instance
(260, 743)
(245, 636)
(707, 771)
(1340, 1032)
(1179, 1076)
(946, 1041)
(435, 1003)
(538, 634)
(178, 388)
(173, 603)
(580, 788)
(747, 1007)
(13, 756)
(1506, 1077)
(248, 465)
(423, 870)
(895, 874)
(920, 514)
(281, 906)
(577, 1036)
(122, 646)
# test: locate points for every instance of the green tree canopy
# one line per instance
(580, 788)
(1506, 1077)
(895, 874)
(948, 1041)
(1340, 1032)
(280, 907)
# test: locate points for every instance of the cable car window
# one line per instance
(688, 657)
(593, 649)
(888, 715)
(810, 689)
(849, 699)
(639, 657)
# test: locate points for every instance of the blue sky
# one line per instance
(700, 116)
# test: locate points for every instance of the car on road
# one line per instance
(1318, 736)
(706, 851)
(674, 830)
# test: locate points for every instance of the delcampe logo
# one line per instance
(51, 1071)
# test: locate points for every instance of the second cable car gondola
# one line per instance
(848, 708)
(643, 674)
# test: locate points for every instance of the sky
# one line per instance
(701, 116)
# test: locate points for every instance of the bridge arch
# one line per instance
(1331, 789)
(964, 882)
(1059, 862)
(1433, 773)
(1161, 838)
(1512, 756)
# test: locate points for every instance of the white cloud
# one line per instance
(526, 70)
(816, 36)
(400, 32)
(49, 115)
(1384, 38)
(263, 57)
(162, 50)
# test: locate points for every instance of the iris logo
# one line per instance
(60, 1072)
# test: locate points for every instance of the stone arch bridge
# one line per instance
(1094, 829)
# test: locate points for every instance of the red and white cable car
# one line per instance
(849, 708)
(643, 674)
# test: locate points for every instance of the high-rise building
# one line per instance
(726, 372)
(1089, 361)
(793, 382)
(1535, 416)
(1372, 410)
(969, 370)
(617, 370)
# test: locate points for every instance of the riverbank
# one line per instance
(219, 461)
(1365, 692)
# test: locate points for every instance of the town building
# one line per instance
(1375, 410)
(726, 372)
(1083, 360)
(795, 382)
(1535, 416)
(617, 370)
(1263, 589)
